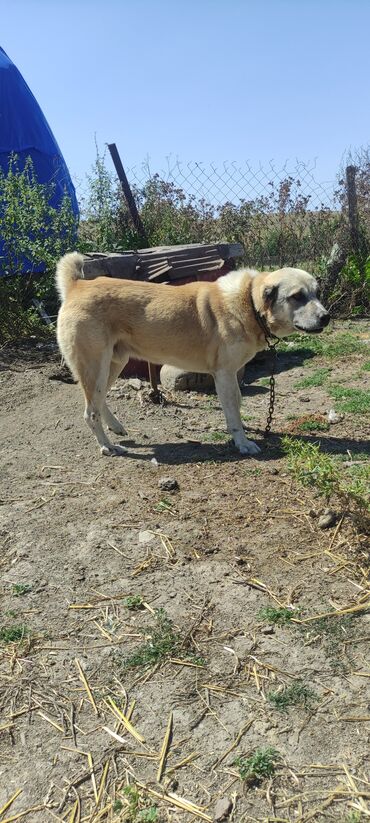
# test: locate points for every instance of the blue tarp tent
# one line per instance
(25, 132)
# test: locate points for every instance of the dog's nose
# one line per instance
(325, 319)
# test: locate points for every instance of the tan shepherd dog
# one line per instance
(202, 327)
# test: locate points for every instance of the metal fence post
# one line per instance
(354, 233)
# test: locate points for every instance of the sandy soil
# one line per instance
(80, 534)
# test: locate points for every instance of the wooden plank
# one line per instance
(123, 266)
(163, 263)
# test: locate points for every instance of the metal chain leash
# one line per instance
(272, 349)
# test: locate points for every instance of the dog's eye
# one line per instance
(299, 296)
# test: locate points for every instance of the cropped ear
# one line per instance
(269, 295)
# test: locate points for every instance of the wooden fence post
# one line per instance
(354, 233)
(136, 219)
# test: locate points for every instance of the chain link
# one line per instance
(272, 348)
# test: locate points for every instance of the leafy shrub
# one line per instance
(34, 235)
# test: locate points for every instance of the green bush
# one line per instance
(34, 231)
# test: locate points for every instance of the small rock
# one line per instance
(268, 630)
(146, 536)
(327, 519)
(135, 383)
(168, 484)
(273, 470)
(154, 462)
(222, 810)
(304, 399)
(333, 417)
(242, 646)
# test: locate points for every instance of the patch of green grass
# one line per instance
(13, 634)
(297, 694)
(366, 366)
(313, 426)
(354, 817)
(317, 378)
(253, 472)
(259, 765)
(329, 345)
(276, 615)
(353, 455)
(216, 437)
(137, 808)
(117, 805)
(18, 589)
(163, 642)
(312, 467)
(264, 381)
(148, 815)
(333, 633)
(133, 602)
(163, 505)
(355, 401)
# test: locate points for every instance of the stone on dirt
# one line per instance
(222, 809)
(327, 519)
(168, 484)
(175, 379)
(333, 417)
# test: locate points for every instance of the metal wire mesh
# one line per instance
(232, 182)
(281, 214)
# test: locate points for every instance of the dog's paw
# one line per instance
(249, 448)
(113, 451)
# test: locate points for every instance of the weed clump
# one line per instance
(19, 589)
(13, 634)
(297, 694)
(311, 467)
(259, 765)
(273, 615)
(163, 642)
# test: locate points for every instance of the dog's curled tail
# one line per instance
(68, 270)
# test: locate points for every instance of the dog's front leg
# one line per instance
(229, 396)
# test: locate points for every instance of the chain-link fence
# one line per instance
(232, 182)
(283, 215)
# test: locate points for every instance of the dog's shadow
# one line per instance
(189, 451)
(262, 364)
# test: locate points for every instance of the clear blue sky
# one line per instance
(205, 80)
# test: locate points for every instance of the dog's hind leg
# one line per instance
(109, 418)
(94, 381)
(230, 398)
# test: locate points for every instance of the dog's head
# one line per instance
(288, 299)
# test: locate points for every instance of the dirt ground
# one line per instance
(93, 547)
